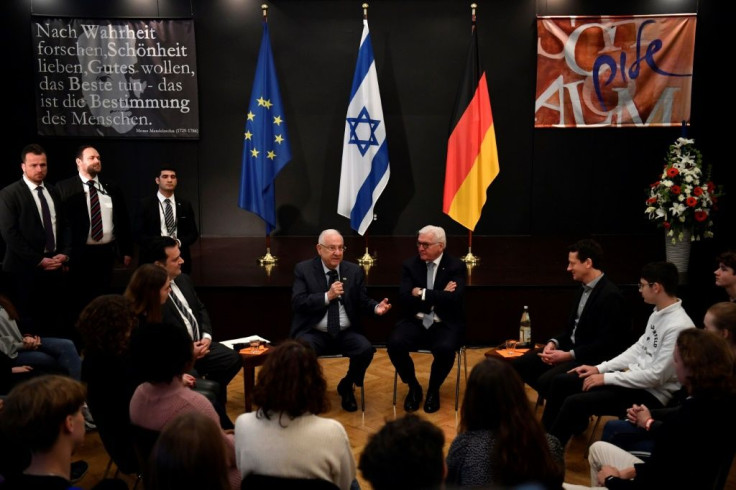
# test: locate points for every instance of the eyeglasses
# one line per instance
(333, 248)
(426, 244)
(643, 285)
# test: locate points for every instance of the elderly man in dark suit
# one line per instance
(37, 244)
(100, 226)
(166, 214)
(327, 299)
(597, 329)
(183, 308)
(431, 298)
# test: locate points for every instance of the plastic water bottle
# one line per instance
(525, 328)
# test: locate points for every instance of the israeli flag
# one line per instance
(365, 168)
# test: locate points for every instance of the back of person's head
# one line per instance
(495, 400)
(722, 318)
(106, 323)
(663, 273)
(156, 248)
(406, 454)
(189, 453)
(290, 382)
(588, 248)
(728, 258)
(35, 410)
(144, 290)
(161, 351)
(708, 361)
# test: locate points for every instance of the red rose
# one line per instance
(691, 201)
(701, 215)
(651, 200)
(666, 225)
(675, 189)
(672, 171)
(654, 185)
(711, 186)
(698, 191)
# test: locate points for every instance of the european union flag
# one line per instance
(266, 143)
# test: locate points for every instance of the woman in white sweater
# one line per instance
(286, 437)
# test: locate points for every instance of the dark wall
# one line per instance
(551, 181)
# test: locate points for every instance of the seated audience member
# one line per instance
(405, 454)
(148, 290)
(189, 453)
(43, 354)
(642, 374)
(500, 442)
(286, 437)
(726, 273)
(719, 319)
(597, 328)
(686, 453)
(162, 353)
(11, 375)
(44, 417)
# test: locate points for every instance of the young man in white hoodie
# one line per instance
(642, 374)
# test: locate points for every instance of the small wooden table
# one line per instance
(250, 361)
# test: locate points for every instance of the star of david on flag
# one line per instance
(266, 148)
(365, 167)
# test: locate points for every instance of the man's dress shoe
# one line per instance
(345, 390)
(413, 398)
(432, 403)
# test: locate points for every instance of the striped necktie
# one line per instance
(95, 214)
(184, 311)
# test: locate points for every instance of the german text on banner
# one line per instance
(365, 168)
(619, 71)
(266, 144)
(472, 157)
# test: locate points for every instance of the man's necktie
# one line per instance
(169, 217)
(48, 227)
(95, 215)
(428, 319)
(333, 309)
(186, 314)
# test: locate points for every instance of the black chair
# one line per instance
(266, 482)
(460, 353)
(143, 442)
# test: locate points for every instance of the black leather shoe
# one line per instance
(413, 398)
(432, 403)
(345, 390)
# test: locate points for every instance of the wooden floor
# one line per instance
(379, 409)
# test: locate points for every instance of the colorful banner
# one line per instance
(617, 71)
(266, 148)
(122, 78)
(472, 157)
(365, 168)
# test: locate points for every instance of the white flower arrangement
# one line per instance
(684, 198)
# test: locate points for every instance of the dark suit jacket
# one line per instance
(447, 305)
(604, 328)
(74, 202)
(171, 314)
(308, 295)
(148, 225)
(22, 228)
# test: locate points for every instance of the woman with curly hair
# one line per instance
(147, 291)
(500, 442)
(286, 437)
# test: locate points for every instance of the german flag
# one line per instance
(472, 157)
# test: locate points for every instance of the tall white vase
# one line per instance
(679, 253)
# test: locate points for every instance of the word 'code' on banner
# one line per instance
(124, 78)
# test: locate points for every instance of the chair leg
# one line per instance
(107, 469)
(457, 381)
(396, 376)
(362, 398)
(592, 434)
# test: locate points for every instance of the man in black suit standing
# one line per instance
(100, 226)
(431, 298)
(37, 245)
(327, 298)
(167, 215)
(183, 308)
(597, 329)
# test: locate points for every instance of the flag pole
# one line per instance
(367, 260)
(470, 259)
